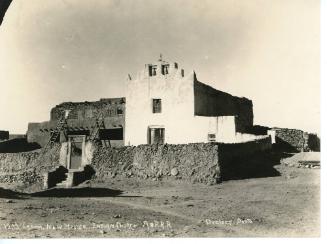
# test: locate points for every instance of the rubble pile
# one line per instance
(196, 162)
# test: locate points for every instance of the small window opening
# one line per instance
(152, 70)
(156, 105)
(164, 69)
(211, 137)
(119, 111)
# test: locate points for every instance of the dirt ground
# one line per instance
(282, 206)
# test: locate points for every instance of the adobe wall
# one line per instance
(211, 102)
(196, 162)
(36, 134)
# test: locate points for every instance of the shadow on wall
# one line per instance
(18, 145)
(83, 176)
(78, 192)
(258, 130)
(314, 142)
(257, 165)
(55, 176)
(283, 146)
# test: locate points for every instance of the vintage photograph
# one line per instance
(165, 119)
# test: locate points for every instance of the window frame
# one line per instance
(156, 109)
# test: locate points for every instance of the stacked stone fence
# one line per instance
(206, 163)
(196, 162)
(296, 140)
(27, 168)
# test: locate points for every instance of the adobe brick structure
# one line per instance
(82, 120)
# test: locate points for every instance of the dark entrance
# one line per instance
(112, 134)
(76, 151)
(156, 135)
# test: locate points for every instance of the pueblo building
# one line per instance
(82, 118)
(164, 104)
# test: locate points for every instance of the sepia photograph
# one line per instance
(160, 119)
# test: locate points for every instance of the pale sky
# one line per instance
(52, 51)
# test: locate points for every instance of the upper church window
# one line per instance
(152, 70)
(164, 69)
(156, 106)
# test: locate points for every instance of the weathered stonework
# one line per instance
(82, 120)
(297, 140)
(206, 163)
(27, 168)
(192, 162)
(196, 162)
(109, 107)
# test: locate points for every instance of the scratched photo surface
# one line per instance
(176, 118)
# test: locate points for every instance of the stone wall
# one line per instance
(211, 102)
(196, 162)
(27, 168)
(296, 140)
(206, 163)
(110, 107)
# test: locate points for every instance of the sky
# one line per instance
(81, 50)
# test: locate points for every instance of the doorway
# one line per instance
(76, 151)
(156, 135)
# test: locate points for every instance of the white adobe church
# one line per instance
(166, 105)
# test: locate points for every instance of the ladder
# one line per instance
(61, 125)
(94, 134)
